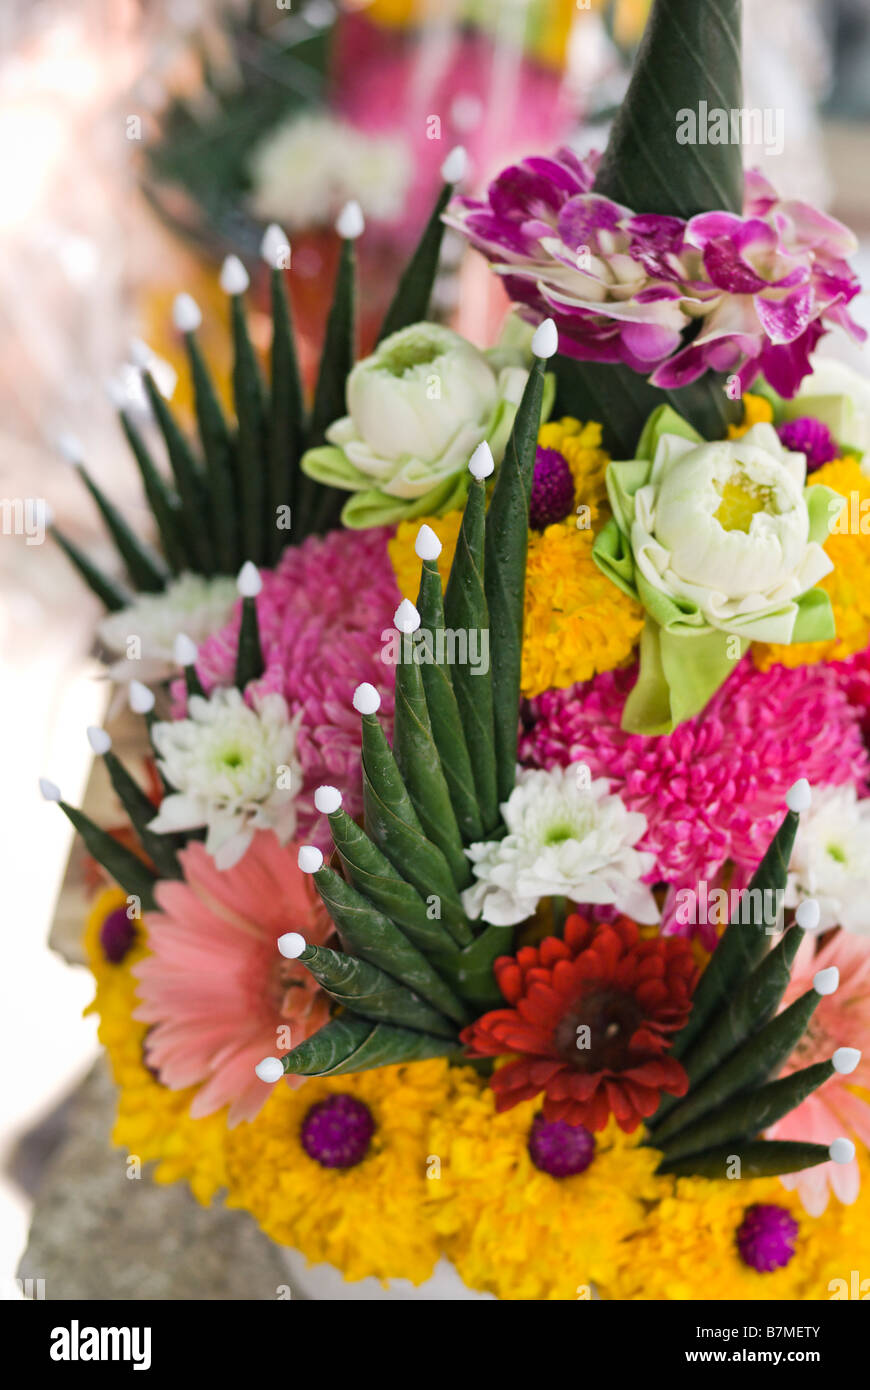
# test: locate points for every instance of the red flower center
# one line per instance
(595, 1035)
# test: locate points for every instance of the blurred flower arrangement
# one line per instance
(506, 887)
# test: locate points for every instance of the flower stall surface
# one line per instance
(503, 894)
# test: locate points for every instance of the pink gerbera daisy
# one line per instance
(322, 612)
(841, 1019)
(215, 988)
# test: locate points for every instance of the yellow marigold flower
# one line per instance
(153, 1122)
(577, 622)
(687, 1249)
(757, 410)
(848, 584)
(513, 1230)
(369, 1219)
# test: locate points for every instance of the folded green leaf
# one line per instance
(125, 867)
(162, 503)
(372, 874)
(348, 1044)
(759, 1058)
(474, 975)
(217, 446)
(762, 1158)
(395, 828)
(507, 540)
(287, 418)
(410, 303)
(420, 767)
(108, 591)
(443, 709)
(141, 810)
(339, 350)
(465, 610)
(688, 62)
(754, 1004)
(188, 480)
(370, 993)
(743, 944)
(747, 1115)
(248, 393)
(366, 932)
(249, 656)
(145, 568)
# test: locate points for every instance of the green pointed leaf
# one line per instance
(420, 767)
(248, 393)
(506, 545)
(217, 447)
(411, 301)
(743, 944)
(759, 1058)
(366, 932)
(145, 568)
(689, 58)
(108, 591)
(763, 1158)
(372, 874)
(141, 810)
(125, 867)
(752, 1006)
(747, 1115)
(474, 976)
(395, 828)
(339, 350)
(188, 480)
(249, 657)
(370, 993)
(349, 1044)
(287, 417)
(163, 504)
(443, 709)
(465, 610)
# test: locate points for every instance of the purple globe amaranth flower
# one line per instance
(809, 437)
(560, 1149)
(337, 1132)
(117, 935)
(552, 489)
(766, 1237)
(624, 286)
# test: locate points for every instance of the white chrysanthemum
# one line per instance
(234, 770)
(563, 839)
(308, 168)
(831, 859)
(190, 604)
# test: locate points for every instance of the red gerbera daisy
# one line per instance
(591, 1015)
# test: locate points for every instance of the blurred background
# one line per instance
(140, 141)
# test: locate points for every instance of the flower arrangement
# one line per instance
(506, 887)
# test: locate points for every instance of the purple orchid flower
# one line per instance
(759, 290)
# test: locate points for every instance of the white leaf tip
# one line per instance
(808, 914)
(184, 650)
(100, 740)
(327, 799)
(291, 945)
(366, 699)
(406, 617)
(186, 314)
(455, 166)
(427, 545)
(309, 859)
(270, 1070)
(842, 1151)
(234, 279)
(799, 797)
(50, 790)
(545, 340)
(350, 222)
(69, 447)
(275, 247)
(481, 464)
(141, 698)
(248, 581)
(846, 1059)
(827, 981)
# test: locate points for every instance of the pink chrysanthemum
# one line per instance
(215, 987)
(841, 1019)
(713, 790)
(321, 613)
